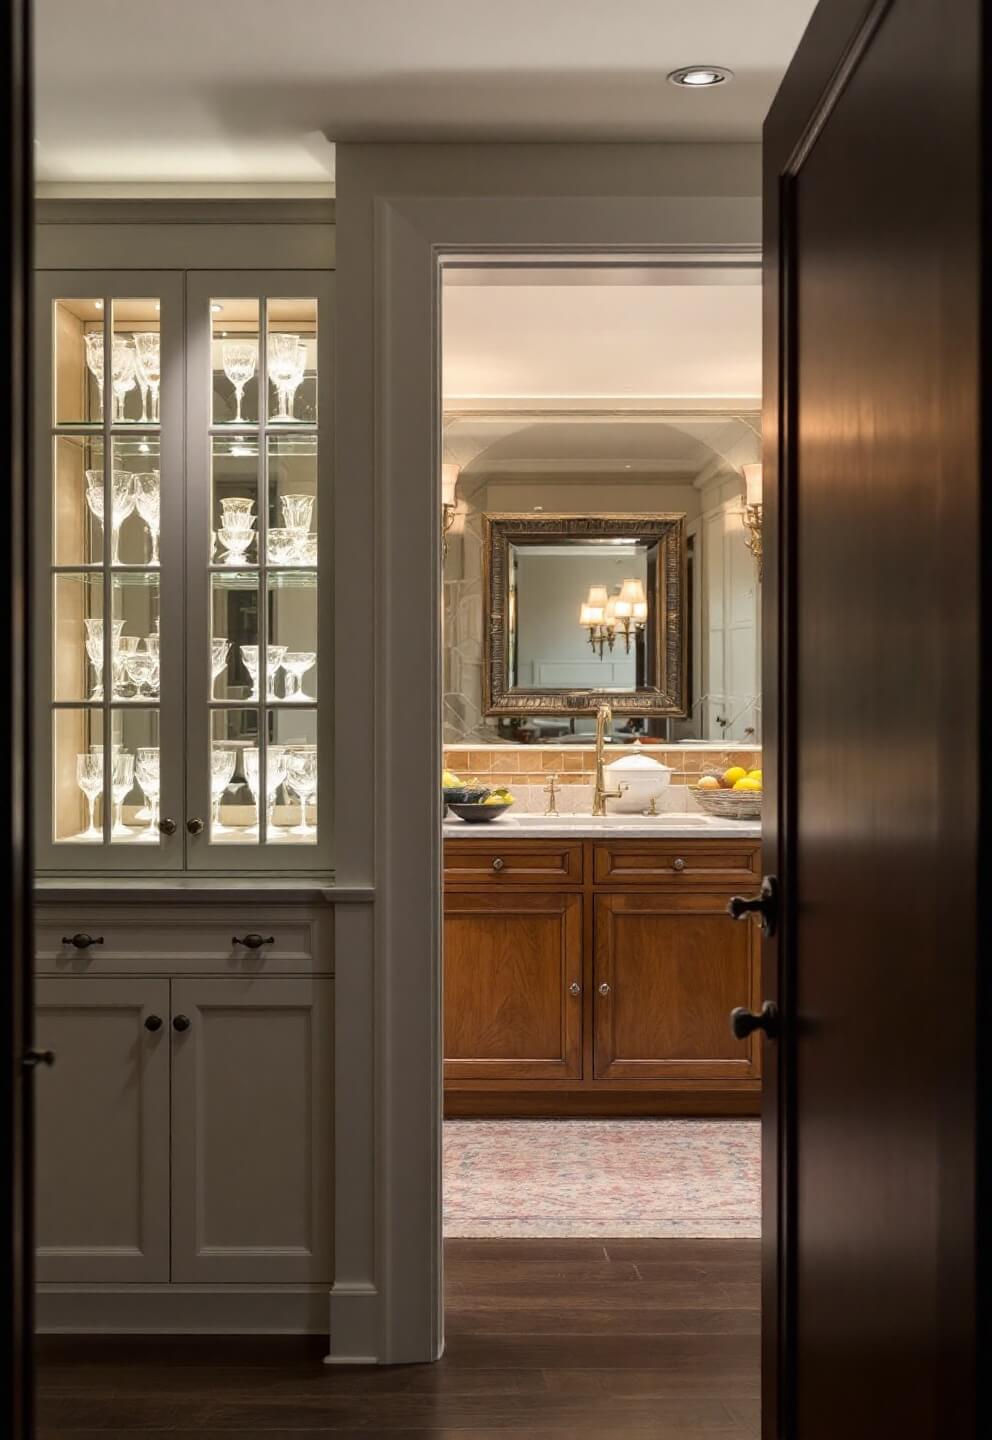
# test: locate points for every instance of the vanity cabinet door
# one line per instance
(251, 1130)
(513, 986)
(102, 1130)
(669, 968)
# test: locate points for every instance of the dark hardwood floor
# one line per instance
(545, 1338)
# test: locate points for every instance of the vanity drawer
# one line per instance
(690, 862)
(544, 862)
(180, 939)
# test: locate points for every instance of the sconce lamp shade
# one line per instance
(752, 484)
(449, 479)
(597, 596)
(631, 595)
(591, 614)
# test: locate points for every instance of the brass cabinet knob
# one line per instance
(167, 826)
(678, 864)
(604, 989)
(575, 988)
(498, 863)
(195, 826)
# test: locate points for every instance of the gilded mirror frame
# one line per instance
(667, 596)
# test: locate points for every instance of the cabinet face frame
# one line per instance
(263, 285)
(110, 286)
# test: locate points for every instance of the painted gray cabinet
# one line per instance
(251, 1130)
(103, 1130)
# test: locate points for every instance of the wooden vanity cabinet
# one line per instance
(602, 985)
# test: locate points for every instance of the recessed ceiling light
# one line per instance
(700, 77)
(98, 304)
(215, 309)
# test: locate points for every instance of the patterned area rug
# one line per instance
(643, 1178)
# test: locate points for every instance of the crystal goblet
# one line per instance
(275, 774)
(148, 364)
(121, 781)
(236, 544)
(123, 373)
(295, 664)
(94, 361)
(122, 503)
(143, 671)
(273, 662)
(147, 500)
(219, 650)
(223, 761)
(283, 544)
(147, 769)
(283, 370)
(89, 778)
(240, 360)
(301, 778)
(123, 647)
(297, 511)
(236, 512)
(94, 649)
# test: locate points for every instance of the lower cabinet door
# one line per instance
(251, 1130)
(512, 986)
(102, 1130)
(669, 968)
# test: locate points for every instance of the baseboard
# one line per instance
(601, 1104)
(181, 1310)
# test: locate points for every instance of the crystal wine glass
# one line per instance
(273, 659)
(148, 364)
(147, 500)
(89, 777)
(275, 775)
(296, 377)
(301, 778)
(94, 649)
(296, 663)
(123, 647)
(123, 368)
(94, 359)
(222, 765)
(143, 671)
(122, 501)
(240, 360)
(219, 651)
(121, 781)
(283, 369)
(148, 770)
(236, 544)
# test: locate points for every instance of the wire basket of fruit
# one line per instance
(733, 794)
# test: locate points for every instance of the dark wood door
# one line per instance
(873, 592)
(512, 986)
(668, 970)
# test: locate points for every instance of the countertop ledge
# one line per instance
(610, 827)
(144, 889)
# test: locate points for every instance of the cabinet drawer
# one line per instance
(655, 862)
(181, 939)
(477, 862)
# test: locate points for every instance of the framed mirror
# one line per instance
(582, 609)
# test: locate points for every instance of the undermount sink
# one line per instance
(608, 822)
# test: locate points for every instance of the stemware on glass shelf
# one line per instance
(124, 646)
(240, 360)
(273, 662)
(94, 649)
(123, 373)
(148, 366)
(89, 777)
(147, 500)
(143, 670)
(94, 359)
(275, 774)
(295, 664)
(223, 761)
(219, 651)
(121, 781)
(147, 771)
(122, 503)
(287, 363)
(237, 532)
(301, 778)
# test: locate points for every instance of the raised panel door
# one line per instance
(251, 1130)
(513, 986)
(668, 971)
(102, 1130)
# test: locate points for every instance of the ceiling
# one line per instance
(252, 92)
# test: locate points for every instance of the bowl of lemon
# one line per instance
(733, 794)
(477, 804)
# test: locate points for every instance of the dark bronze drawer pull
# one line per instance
(81, 940)
(253, 941)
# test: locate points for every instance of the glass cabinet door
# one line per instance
(258, 450)
(108, 566)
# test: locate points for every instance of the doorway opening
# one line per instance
(601, 705)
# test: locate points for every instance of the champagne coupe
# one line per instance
(94, 649)
(147, 500)
(89, 778)
(283, 369)
(273, 659)
(240, 359)
(295, 664)
(301, 778)
(148, 363)
(275, 766)
(222, 765)
(94, 359)
(219, 651)
(143, 671)
(123, 367)
(121, 781)
(147, 770)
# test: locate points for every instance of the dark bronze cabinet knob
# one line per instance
(181, 1022)
(31, 1059)
(765, 905)
(167, 826)
(81, 940)
(744, 1022)
(253, 941)
(153, 1023)
(195, 826)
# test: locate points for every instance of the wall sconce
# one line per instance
(449, 505)
(607, 616)
(752, 512)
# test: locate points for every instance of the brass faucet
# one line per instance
(600, 794)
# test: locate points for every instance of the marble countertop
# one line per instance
(674, 826)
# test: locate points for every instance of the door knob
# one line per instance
(167, 826)
(765, 905)
(195, 826)
(575, 988)
(181, 1022)
(31, 1059)
(153, 1023)
(81, 940)
(744, 1022)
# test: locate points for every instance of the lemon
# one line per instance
(708, 782)
(731, 776)
(496, 799)
(754, 774)
(746, 783)
(450, 781)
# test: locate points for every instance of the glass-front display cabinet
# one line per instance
(181, 599)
